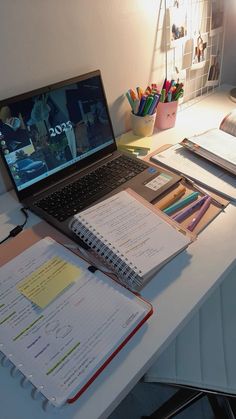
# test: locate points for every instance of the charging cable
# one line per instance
(16, 230)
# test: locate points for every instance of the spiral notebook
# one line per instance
(51, 323)
(131, 236)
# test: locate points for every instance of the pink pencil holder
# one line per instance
(166, 114)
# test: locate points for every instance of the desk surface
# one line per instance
(175, 292)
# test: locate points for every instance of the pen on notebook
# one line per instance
(200, 214)
(182, 203)
(190, 209)
(171, 198)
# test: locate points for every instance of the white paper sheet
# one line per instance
(203, 172)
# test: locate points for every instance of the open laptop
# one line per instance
(59, 148)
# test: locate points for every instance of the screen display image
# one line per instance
(45, 133)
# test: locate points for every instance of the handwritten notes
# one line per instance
(48, 281)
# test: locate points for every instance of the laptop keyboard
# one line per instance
(79, 194)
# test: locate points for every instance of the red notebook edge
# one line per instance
(109, 359)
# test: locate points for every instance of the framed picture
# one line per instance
(214, 71)
(217, 17)
(199, 51)
(178, 23)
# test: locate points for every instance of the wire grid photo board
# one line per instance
(192, 33)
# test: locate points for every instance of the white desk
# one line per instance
(175, 292)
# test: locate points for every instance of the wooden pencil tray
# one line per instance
(217, 205)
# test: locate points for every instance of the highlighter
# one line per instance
(182, 215)
(148, 104)
(200, 214)
(182, 203)
(171, 198)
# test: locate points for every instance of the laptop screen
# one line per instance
(50, 129)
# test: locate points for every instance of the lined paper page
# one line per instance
(62, 346)
(138, 235)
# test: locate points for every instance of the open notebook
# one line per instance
(60, 324)
(130, 235)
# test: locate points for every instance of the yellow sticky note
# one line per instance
(48, 281)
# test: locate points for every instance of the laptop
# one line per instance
(58, 145)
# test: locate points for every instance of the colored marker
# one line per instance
(163, 95)
(169, 96)
(182, 203)
(132, 94)
(164, 84)
(179, 95)
(141, 105)
(200, 214)
(136, 106)
(190, 209)
(140, 92)
(148, 104)
(154, 104)
(131, 102)
(170, 199)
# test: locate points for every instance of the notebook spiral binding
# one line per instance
(128, 274)
(25, 382)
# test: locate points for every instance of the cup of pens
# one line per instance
(167, 108)
(142, 126)
(143, 110)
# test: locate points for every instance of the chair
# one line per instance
(201, 361)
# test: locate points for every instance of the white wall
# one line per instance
(43, 42)
(229, 65)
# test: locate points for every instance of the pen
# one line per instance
(132, 94)
(139, 92)
(163, 95)
(179, 94)
(130, 100)
(142, 104)
(169, 96)
(179, 88)
(164, 84)
(190, 209)
(148, 90)
(167, 86)
(147, 105)
(182, 203)
(200, 214)
(154, 104)
(192, 183)
(136, 106)
(171, 198)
